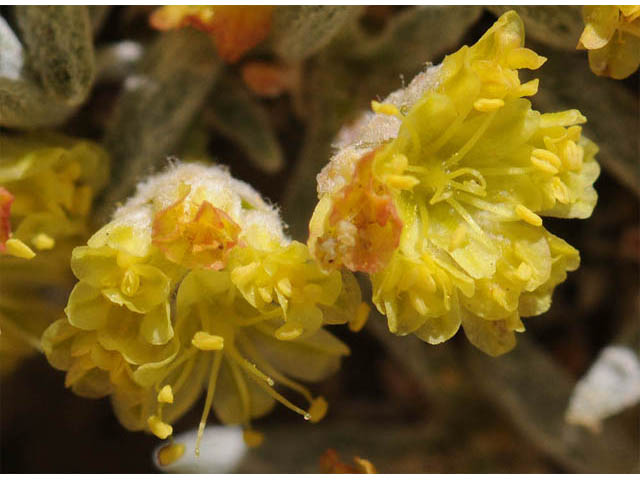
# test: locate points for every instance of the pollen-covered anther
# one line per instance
(528, 216)
(205, 341)
(19, 249)
(252, 438)
(159, 428)
(42, 241)
(547, 156)
(573, 155)
(170, 453)
(385, 109)
(543, 165)
(358, 322)
(488, 104)
(402, 182)
(560, 190)
(317, 410)
(289, 331)
(165, 395)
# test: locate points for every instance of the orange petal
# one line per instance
(195, 238)
(6, 199)
(234, 28)
(365, 205)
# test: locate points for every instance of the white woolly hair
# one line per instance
(370, 130)
(208, 182)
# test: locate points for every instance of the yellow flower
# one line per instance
(47, 184)
(194, 287)
(440, 195)
(612, 36)
(234, 28)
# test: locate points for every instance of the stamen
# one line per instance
(488, 104)
(159, 428)
(170, 453)
(211, 388)
(572, 155)
(486, 172)
(528, 216)
(205, 341)
(249, 367)
(289, 331)
(385, 109)
(19, 249)
(264, 364)
(165, 395)
(245, 400)
(459, 155)
(318, 409)
(271, 391)
(548, 156)
(402, 182)
(465, 215)
(42, 241)
(543, 165)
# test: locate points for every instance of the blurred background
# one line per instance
(406, 406)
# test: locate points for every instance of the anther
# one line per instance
(289, 331)
(19, 249)
(165, 395)
(317, 410)
(205, 341)
(548, 156)
(159, 428)
(488, 104)
(385, 109)
(170, 453)
(402, 182)
(42, 241)
(528, 216)
(573, 155)
(543, 165)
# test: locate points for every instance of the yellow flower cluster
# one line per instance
(47, 184)
(439, 195)
(194, 287)
(612, 36)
